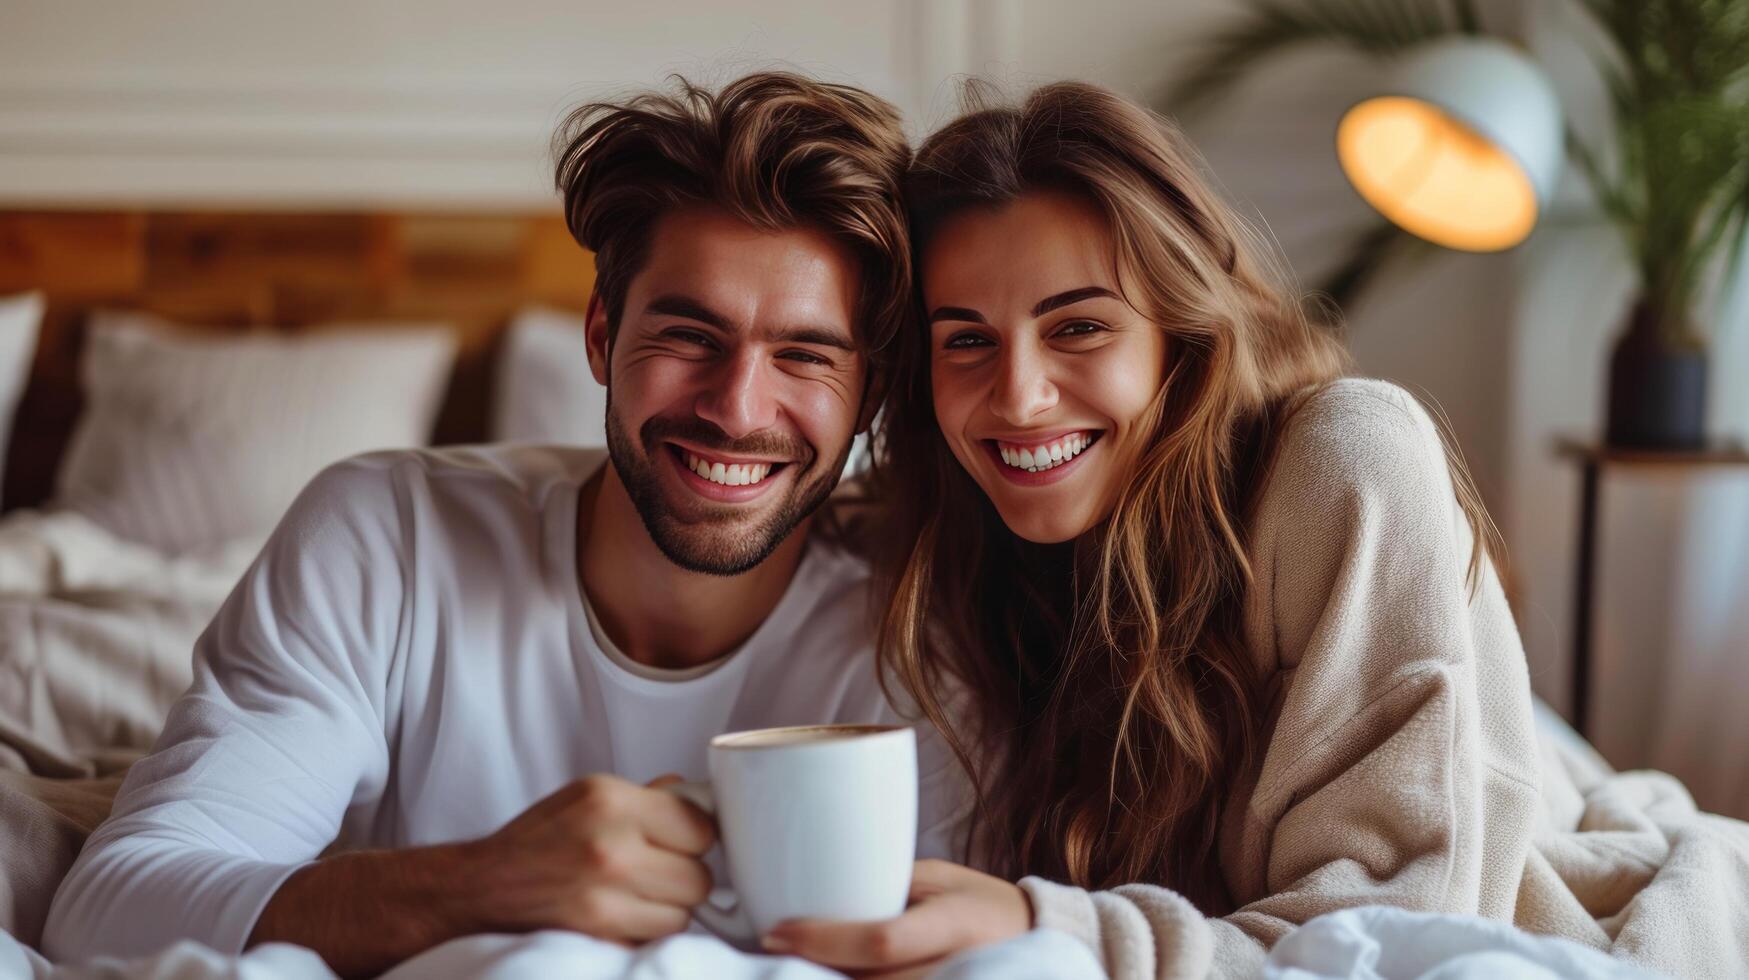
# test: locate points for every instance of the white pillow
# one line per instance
(189, 441)
(20, 318)
(545, 392)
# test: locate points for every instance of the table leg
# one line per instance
(1585, 586)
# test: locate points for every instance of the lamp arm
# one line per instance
(1469, 19)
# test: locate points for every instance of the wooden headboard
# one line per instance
(278, 270)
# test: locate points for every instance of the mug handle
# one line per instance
(721, 911)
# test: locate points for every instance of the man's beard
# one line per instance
(723, 545)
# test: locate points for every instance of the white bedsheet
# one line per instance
(543, 955)
(1383, 943)
(1372, 943)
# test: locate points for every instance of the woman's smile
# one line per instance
(1040, 461)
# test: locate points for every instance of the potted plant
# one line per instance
(1673, 176)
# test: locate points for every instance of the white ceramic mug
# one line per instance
(816, 821)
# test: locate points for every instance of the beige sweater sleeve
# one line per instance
(1400, 767)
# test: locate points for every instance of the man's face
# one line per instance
(734, 385)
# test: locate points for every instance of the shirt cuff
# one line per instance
(254, 891)
(1065, 908)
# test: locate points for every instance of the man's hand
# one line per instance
(600, 856)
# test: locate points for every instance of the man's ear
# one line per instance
(595, 336)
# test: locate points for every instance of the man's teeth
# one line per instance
(733, 475)
(1037, 459)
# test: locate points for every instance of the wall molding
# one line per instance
(453, 137)
(951, 40)
(177, 137)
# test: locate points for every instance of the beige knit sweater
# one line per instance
(1402, 765)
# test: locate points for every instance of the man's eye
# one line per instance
(804, 357)
(687, 335)
(960, 341)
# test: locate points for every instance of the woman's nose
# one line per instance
(1023, 389)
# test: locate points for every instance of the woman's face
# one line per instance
(1041, 371)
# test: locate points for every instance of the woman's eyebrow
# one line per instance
(957, 313)
(1067, 297)
(1040, 308)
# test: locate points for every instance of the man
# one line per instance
(463, 667)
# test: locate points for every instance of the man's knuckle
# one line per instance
(602, 856)
(590, 909)
(596, 795)
(676, 920)
(701, 886)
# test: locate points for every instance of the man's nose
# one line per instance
(737, 397)
(1023, 389)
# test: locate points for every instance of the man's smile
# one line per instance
(724, 478)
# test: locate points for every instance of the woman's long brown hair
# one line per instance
(1108, 701)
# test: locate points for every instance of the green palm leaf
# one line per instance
(1266, 28)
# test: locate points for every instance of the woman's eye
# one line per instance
(1080, 328)
(963, 340)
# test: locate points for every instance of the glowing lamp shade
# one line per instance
(1463, 151)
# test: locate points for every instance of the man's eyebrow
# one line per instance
(1065, 298)
(673, 304)
(956, 313)
(817, 336)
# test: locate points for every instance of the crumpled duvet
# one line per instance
(96, 639)
(1383, 943)
(538, 956)
(1371, 943)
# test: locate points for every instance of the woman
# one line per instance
(1234, 650)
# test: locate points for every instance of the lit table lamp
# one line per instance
(1463, 150)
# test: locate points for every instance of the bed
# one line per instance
(155, 336)
(159, 334)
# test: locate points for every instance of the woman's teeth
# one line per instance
(734, 475)
(1037, 459)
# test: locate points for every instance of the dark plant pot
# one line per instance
(1657, 389)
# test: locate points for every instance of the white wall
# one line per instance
(1671, 649)
(320, 102)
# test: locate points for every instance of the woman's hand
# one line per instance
(952, 908)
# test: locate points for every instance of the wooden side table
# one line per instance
(1593, 459)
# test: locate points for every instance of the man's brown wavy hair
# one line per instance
(774, 149)
(1109, 707)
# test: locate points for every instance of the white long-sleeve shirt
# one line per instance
(410, 661)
